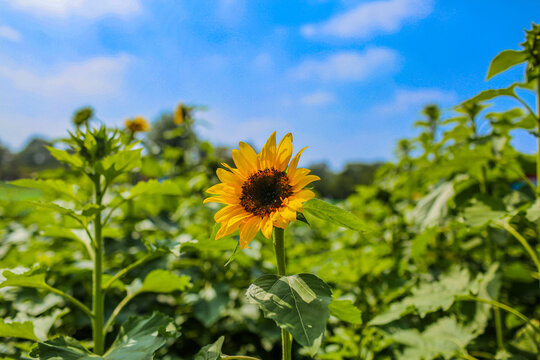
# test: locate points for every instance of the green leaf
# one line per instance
(164, 281)
(428, 297)
(526, 339)
(533, 213)
(50, 187)
(345, 310)
(28, 279)
(432, 209)
(154, 187)
(297, 303)
(334, 214)
(65, 157)
(212, 351)
(210, 303)
(62, 348)
(140, 337)
(22, 330)
(504, 61)
(492, 93)
(16, 193)
(443, 338)
(483, 211)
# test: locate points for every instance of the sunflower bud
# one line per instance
(137, 124)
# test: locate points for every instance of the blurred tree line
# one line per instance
(164, 136)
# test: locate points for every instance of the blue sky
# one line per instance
(346, 77)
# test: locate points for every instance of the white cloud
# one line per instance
(407, 100)
(96, 76)
(317, 98)
(82, 8)
(228, 130)
(10, 34)
(367, 19)
(350, 66)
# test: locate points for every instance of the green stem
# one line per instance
(500, 306)
(538, 127)
(525, 244)
(125, 270)
(98, 301)
(116, 311)
(279, 247)
(75, 302)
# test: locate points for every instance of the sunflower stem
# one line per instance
(279, 247)
(98, 301)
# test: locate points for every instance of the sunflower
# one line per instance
(263, 191)
(137, 124)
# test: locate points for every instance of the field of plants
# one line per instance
(162, 246)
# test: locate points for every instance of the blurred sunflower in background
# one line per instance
(137, 124)
(263, 191)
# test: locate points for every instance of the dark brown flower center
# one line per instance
(262, 191)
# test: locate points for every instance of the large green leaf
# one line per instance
(63, 156)
(440, 295)
(297, 303)
(140, 337)
(22, 330)
(444, 338)
(50, 187)
(334, 214)
(505, 60)
(493, 93)
(483, 211)
(211, 351)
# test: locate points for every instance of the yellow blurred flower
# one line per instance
(137, 124)
(262, 192)
(179, 114)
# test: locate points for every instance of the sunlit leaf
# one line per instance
(345, 310)
(505, 60)
(334, 214)
(297, 303)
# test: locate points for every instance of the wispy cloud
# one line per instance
(368, 19)
(9, 33)
(80, 8)
(96, 76)
(317, 98)
(350, 65)
(407, 100)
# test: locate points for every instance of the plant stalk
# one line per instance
(279, 247)
(538, 139)
(98, 300)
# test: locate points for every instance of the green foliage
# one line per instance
(297, 303)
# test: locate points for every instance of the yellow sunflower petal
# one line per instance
(227, 213)
(250, 155)
(303, 195)
(294, 163)
(224, 189)
(235, 171)
(248, 230)
(266, 227)
(226, 229)
(223, 199)
(228, 177)
(304, 181)
(284, 152)
(267, 155)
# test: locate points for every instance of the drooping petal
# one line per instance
(248, 230)
(266, 227)
(226, 229)
(284, 152)
(222, 188)
(227, 213)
